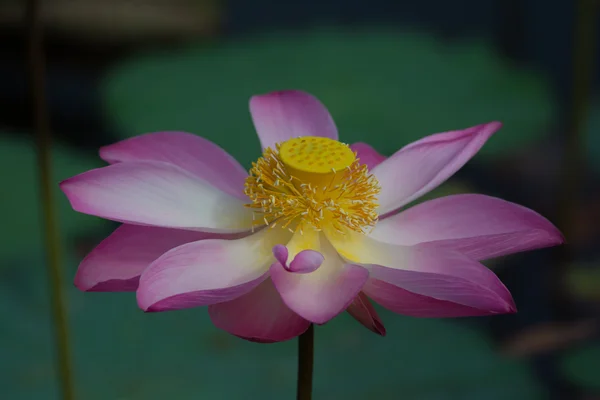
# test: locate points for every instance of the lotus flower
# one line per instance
(311, 231)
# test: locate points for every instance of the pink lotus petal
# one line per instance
(115, 265)
(484, 294)
(367, 155)
(279, 116)
(156, 194)
(258, 316)
(423, 165)
(403, 302)
(429, 271)
(280, 252)
(208, 271)
(479, 226)
(363, 311)
(320, 295)
(193, 153)
(306, 261)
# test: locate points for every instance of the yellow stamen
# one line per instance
(312, 180)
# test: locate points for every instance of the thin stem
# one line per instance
(52, 241)
(305, 364)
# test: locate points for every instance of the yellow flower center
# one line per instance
(312, 180)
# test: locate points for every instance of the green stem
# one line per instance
(52, 240)
(305, 364)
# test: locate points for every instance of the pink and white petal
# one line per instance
(208, 271)
(423, 165)
(367, 155)
(259, 316)
(479, 226)
(156, 194)
(115, 265)
(457, 294)
(363, 311)
(279, 116)
(320, 295)
(403, 302)
(430, 271)
(193, 153)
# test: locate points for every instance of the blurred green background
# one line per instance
(390, 73)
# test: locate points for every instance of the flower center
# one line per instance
(312, 180)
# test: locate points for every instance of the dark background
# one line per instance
(390, 72)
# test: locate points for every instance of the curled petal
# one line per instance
(281, 254)
(156, 194)
(479, 226)
(192, 153)
(306, 261)
(367, 155)
(115, 265)
(320, 295)
(279, 116)
(208, 272)
(423, 165)
(258, 316)
(363, 311)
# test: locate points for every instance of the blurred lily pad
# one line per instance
(21, 214)
(583, 281)
(581, 366)
(121, 352)
(385, 87)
